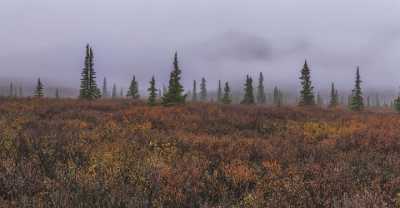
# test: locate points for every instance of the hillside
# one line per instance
(70, 153)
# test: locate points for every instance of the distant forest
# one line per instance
(254, 91)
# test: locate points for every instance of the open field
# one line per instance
(70, 153)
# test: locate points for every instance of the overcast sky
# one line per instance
(218, 39)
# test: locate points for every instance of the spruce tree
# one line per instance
(11, 90)
(152, 92)
(219, 93)
(261, 96)
(57, 95)
(174, 95)
(89, 89)
(357, 103)
(226, 99)
(114, 91)
(277, 97)
(105, 89)
(121, 93)
(39, 89)
(133, 91)
(306, 93)
(334, 102)
(203, 90)
(397, 104)
(248, 92)
(194, 93)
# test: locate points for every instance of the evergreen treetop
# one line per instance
(306, 93)
(152, 92)
(203, 90)
(248, 92)
(39, 89)
(261, 96)
(226, 99)
(334, 97)
(357, 103)
(133, 91)
(174, 94)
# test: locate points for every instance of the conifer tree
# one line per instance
(152, 92)
(397, 104)
(39, 89)
(334, 102)
(219, 93)
(277, 97)
(174, 95)
(306, 93)
(57, 95)
(105, 89)
(114, 91)
(133, 91)
(11, 90)
(261, 96)
(248, 92)
(226, 99)
(203, 90)
(89, 89)
(194, 93)
(357, 103)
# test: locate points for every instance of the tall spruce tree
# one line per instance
(261, 96)
(248, 98)
(133, 91)
(219, 93)
(114, 91)
(203, 90)
(226, 99)
(89, 89)
(105, 89)
(152, 92)
(334, 98)
(306, 93)
(194, 93)
(174, 94)
(357, 103)
(39, 89)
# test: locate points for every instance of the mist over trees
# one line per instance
(174, 92)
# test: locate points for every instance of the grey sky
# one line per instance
(218, 39)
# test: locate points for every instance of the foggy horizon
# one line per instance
(222, 40)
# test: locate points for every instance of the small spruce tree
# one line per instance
(114, 91)
(248, 92)
(334, 101)
(203, 90)
(357, 103)
(226, 99)
(39, 89)
(396, 104)
(219, 93)
(105, 90)
(261, 96)
(133, 91)
(174, 94)
(194, 93)
(57, 95)
(306, 93)
(152, 92)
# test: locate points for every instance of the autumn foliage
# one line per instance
(120, 153)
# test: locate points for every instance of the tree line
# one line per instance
(175, 93)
